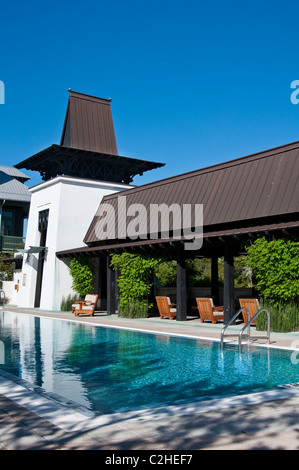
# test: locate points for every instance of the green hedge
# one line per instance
(134, 309)
(284, 318)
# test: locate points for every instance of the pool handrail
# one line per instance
(230, 321)
(248, 325)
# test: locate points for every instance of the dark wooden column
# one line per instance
(111, 304)
(102, 283)
(214, 280)
(117, 292)
(229, 288)
(181, 287)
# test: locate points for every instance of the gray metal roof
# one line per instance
(12, 189)
(12, 171)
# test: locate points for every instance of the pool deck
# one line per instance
(29, 420)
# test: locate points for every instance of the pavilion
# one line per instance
(242, 199)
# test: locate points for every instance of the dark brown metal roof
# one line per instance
(247, 191)
(59, 160)
(88, 124)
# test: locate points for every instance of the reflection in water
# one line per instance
(38, 352)
(111, 370)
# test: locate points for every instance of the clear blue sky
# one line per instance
(193, 83)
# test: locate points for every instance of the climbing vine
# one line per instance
(135, 280)
(82, 272)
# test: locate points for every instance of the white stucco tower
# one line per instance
(77, 174)
(60, 214)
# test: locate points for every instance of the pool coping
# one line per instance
(72, 417)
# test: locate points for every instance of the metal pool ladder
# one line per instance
(240, 334)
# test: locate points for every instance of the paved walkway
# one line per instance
(31, 421)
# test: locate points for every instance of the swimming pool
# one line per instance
(112, 370)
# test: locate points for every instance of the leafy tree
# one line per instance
(166, 273)
(199, 272)
(275, 268)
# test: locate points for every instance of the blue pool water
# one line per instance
(110, 370)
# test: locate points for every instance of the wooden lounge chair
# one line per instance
(87, 305)
(252, 305)
(207, 310)
(165, 307)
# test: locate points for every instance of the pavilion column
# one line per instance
(111, 298)
(102, 283)
(229, 288)
(214, 280)
(181, 286)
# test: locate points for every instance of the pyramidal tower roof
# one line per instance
(88, 124)
(87, 147)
